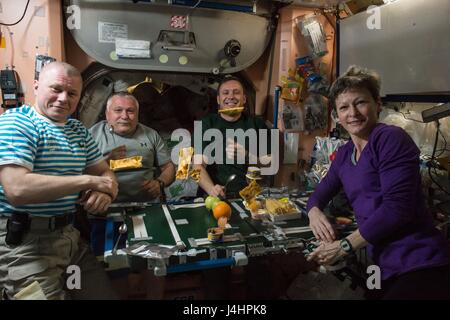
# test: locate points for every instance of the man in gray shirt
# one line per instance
(122, 136)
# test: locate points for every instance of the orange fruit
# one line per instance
(222, 209)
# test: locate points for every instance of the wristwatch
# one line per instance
(161, 183)
(346, 245)
(162, 195)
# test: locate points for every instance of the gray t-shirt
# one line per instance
(145, 142)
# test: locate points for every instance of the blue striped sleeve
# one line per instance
(18, 139)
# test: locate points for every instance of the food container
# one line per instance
(215, 234)
(257, 214)
(293, 213)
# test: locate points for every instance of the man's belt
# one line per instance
(51, 223)
(19, 223)
(42, 223)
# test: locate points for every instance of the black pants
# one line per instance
(426, 284)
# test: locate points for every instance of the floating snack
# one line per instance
(232, 111)
(254, 205)
(253, 173)
(126, 163)
(195, 175)
(184, 162)
(250, 191)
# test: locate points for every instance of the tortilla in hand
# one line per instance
(126, 163)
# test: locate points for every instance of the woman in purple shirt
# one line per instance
(379, 171)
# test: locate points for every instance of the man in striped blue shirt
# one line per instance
(46, 160)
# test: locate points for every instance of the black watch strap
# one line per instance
(161, 183)
(161, 189)
(346, 245)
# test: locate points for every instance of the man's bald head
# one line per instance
(70, 70)
(58, 91)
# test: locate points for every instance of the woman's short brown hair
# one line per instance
(355, 78)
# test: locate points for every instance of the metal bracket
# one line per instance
(158, 265)
(193, 242)
(212, 254)
(240, 259)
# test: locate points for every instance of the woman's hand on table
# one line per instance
(320, 226)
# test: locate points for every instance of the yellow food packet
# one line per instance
(195, 175)
(231, 110)
(2, 42)
(126, 163)
(284, 200)
(250, 191)
(184, 162)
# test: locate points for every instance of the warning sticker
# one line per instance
(178, 22)
(108, 32)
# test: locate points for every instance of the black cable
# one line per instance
(272, 55)
(432, 159)
(23, 15)
(410, 118)
(441, 152)
(440, 187)
(195, 6)
(443, 149)
(445, 140)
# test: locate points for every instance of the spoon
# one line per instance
(230, 178)
(122, 230)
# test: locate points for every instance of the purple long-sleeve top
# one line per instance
(384, 188)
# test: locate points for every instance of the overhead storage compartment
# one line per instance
(176, 38)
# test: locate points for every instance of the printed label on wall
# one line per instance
(108, 32)
(132, 48)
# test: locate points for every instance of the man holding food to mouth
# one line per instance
(231, 114)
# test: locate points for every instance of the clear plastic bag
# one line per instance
(325, 150)
(151, 250)
(323, 154)
(312, 30)
(292, 117)
(316, 116)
